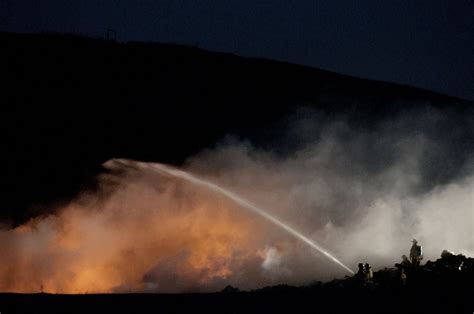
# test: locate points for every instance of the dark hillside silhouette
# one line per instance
(70, 103)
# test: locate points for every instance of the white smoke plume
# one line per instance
(362, 192)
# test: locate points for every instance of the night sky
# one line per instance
(428, 44)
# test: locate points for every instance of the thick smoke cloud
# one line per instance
(362, 192)
(365, 193)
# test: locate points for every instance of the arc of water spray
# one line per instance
(239, 200)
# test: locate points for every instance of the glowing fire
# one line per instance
(165, 238)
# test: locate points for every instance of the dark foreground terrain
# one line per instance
(440, 287)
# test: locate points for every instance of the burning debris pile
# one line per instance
(448, 268)
(446, 272)
(440, 286)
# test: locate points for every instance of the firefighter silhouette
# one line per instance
(416, 253)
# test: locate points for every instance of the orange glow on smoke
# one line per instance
(163, 237)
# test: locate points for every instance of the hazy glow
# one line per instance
(191, 178)
(363, 193)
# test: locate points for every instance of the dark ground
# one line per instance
(310, 301)
(307, 302)
(427, 290)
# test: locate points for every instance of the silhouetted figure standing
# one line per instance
(369, 275)
(360, 276)
(416, 253)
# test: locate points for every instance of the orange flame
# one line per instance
(163, 236)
